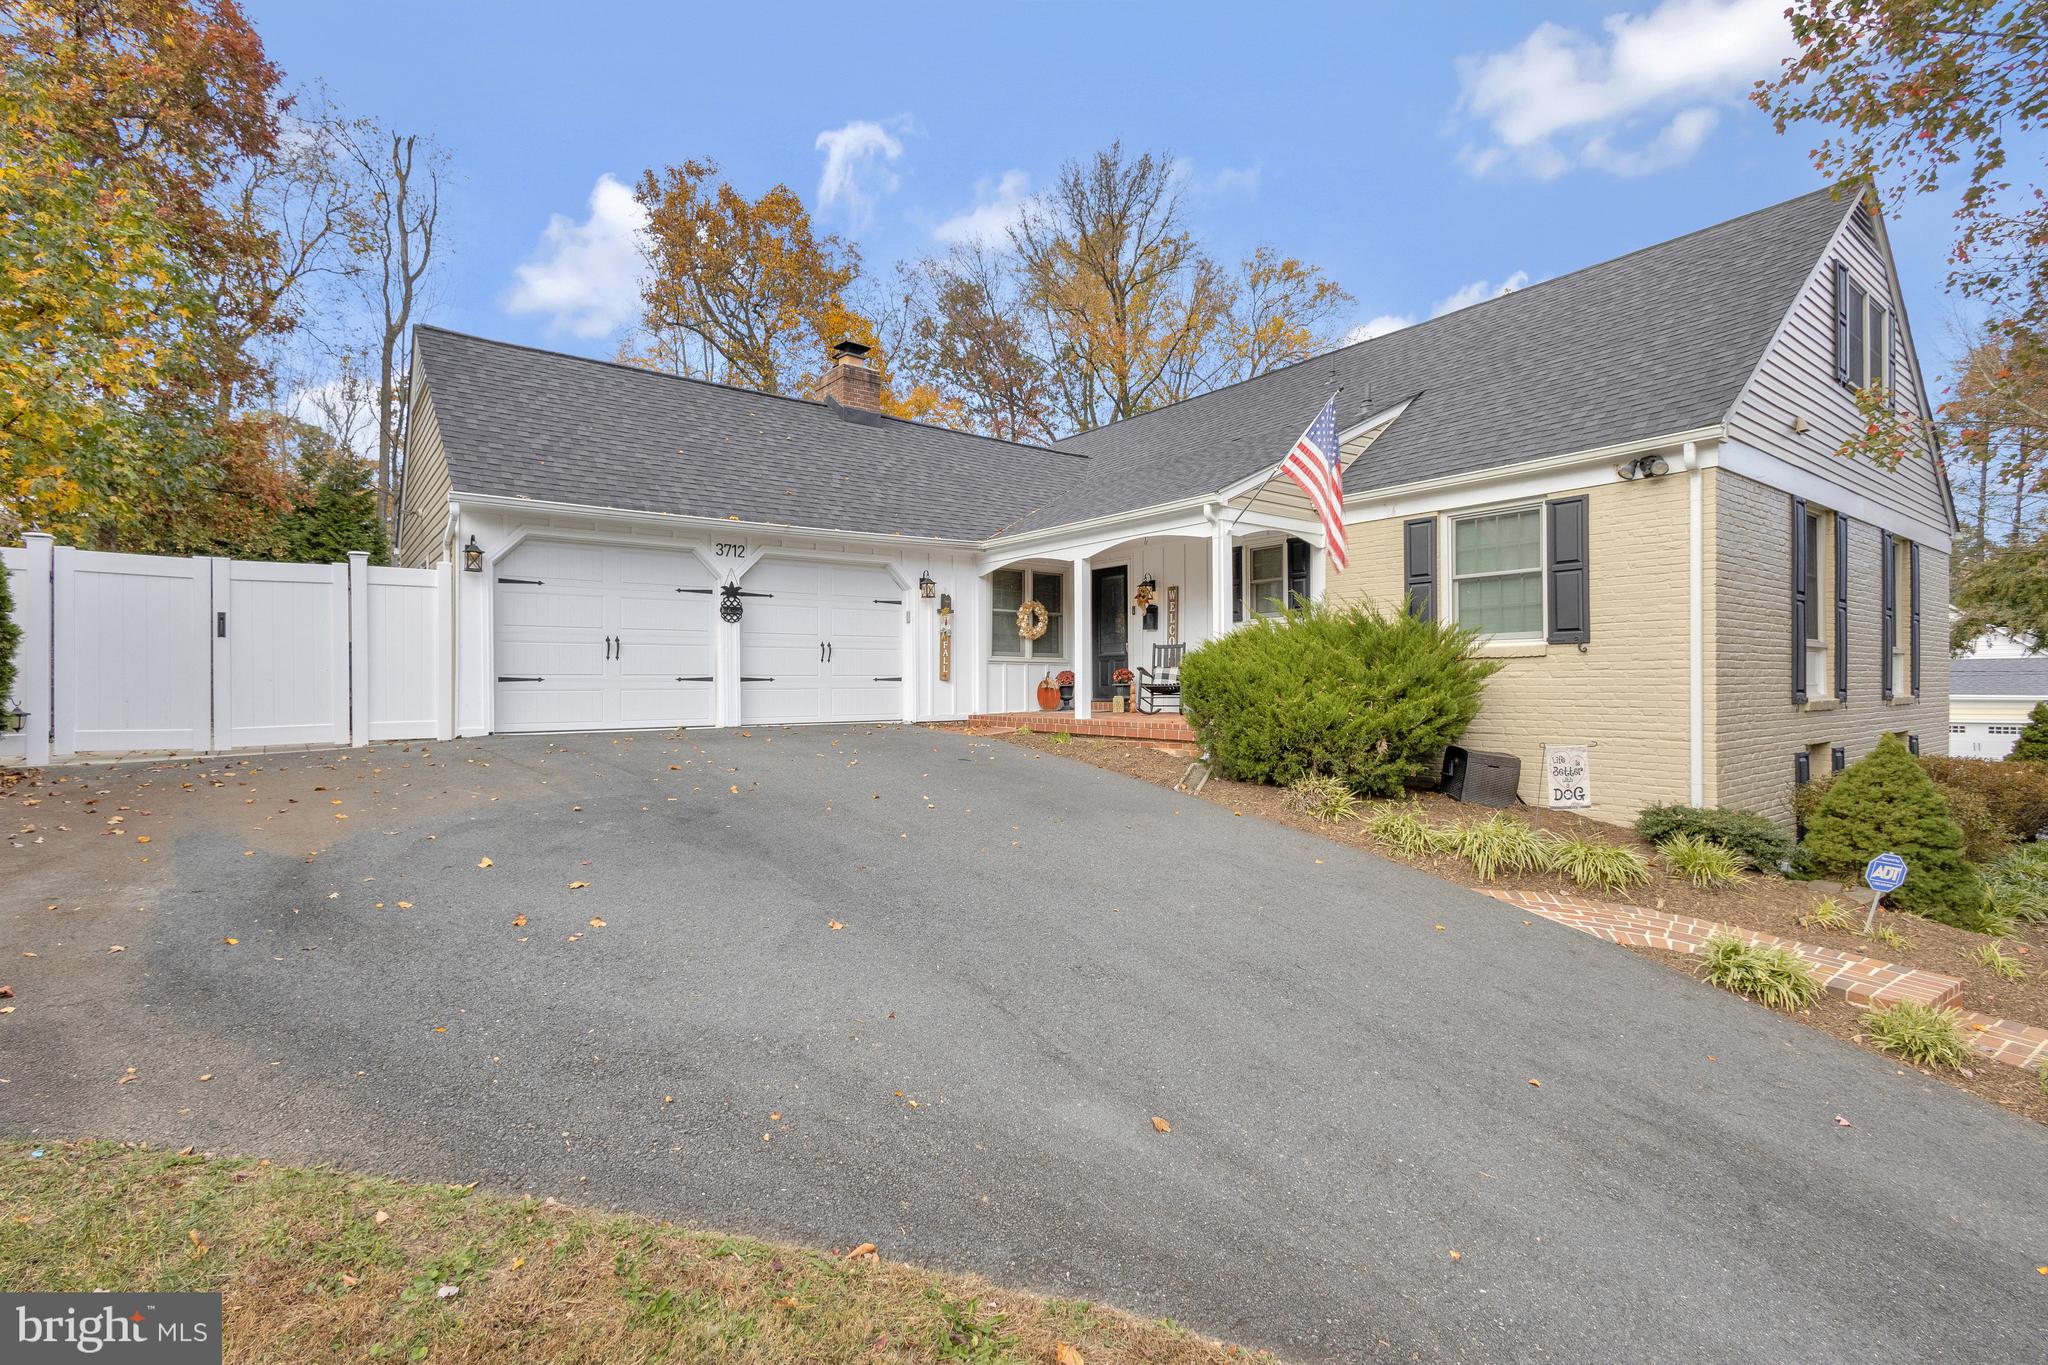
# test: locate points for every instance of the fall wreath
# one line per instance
(1144, 597)
(1032, 620)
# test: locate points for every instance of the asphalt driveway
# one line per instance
(1036, 958)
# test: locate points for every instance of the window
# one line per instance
(1497, 572)
(1901, 570)
(1011, 589)
(1859, 319)
(1268, 579)
(1816, 554)
(1863, 334)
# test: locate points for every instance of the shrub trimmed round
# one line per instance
(1884, 802)
(1353, 693)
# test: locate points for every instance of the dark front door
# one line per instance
(1111, 628)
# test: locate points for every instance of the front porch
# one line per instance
(1165, 727)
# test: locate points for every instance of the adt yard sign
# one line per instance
(1885, 873)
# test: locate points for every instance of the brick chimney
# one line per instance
(851, 382)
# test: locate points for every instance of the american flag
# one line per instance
(1315, 464)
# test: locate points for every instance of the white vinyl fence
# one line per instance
(140, 653)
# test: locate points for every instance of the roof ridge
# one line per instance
(1467, 309)
(630, 368)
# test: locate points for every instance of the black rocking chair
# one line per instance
(1159, 685)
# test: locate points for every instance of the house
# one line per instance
(1624, 477)
(1991, 689)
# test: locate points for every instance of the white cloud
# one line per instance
(998, 203)
(857, 173)
(586, 276)
(1377, 327)
(1560, 98)
(1478, 292)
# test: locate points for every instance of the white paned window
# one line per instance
(1269, 580)
(1011, 589)
(1819, 610)
(1497, 572)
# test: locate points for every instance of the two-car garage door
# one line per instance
(593, 637)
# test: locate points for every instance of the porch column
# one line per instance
(1219, 579)
(1318, 571)
(1081, 631)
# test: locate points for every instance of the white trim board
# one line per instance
(1786, 477)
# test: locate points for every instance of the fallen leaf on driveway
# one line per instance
(1841, 1122)
(1457, 1256)
(483, 862)
(835, 924)
(1533, 1081)
(596, 923)
(735, 790)
(864, 1249)
(142, 838)
(577, 886)
(207, 1077)
(6, 992)
(1161, 1124)
(131, 1076)
(231, 941)
(519, 922)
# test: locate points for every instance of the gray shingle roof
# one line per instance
(523, 423)
(1999, 677)
(1658, 341)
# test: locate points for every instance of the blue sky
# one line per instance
(1422, 154)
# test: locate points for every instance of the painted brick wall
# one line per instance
(1756, 730)
(1626, 695)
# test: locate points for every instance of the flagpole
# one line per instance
(1276, 473)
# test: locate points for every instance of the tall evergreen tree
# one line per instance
(2033, 741)
(335, 513)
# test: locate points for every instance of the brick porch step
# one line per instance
(1165, 726)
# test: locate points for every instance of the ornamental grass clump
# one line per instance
(1702, 862)
(1323, 798)
(2018, 883)
(1921, 1034)
(1500, 843)
(1403, 828)
(1595, 864)
(1826, 913)
(1884, 802)
(1766, 972)
(1368, 698)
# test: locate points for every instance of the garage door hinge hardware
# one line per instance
(705, 591)
(534, 582)
(505, 679)
(752, 594)
(745, 678)
(700, 677)
(897, 678)
(890, 601)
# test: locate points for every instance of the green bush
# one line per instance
(1885, 802)
(10, 638)
(1985, 836)
(1701, 861)
(2016, 794)
(1347, 692)
(1756, 837)
(1768, 972)
(1596, 864)
(2032, 745)
(1922, 1034)
(2018, 883)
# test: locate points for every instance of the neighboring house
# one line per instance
(1989, 696)
(1624, 477)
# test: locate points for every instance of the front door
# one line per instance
(1111, 629)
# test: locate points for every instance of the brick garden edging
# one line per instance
(1858, 980)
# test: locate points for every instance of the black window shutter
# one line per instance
(1237, 582)
(1297, 572)
(1567, 581)
(1418, 566)
(1841, 607)
(1888, 630)
(1880, 344)
(1859, 336)
(1841, 323)
(1913, 555)
(1800, 606)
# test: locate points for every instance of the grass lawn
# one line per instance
(320, 1264)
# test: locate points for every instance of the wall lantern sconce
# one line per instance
(13, 719)
(472, 556)
(1648, 467)
(925, 586)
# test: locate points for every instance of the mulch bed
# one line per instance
(1768, 905)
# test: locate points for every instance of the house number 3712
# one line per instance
(725, 549)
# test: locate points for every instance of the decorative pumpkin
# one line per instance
(1048, 694)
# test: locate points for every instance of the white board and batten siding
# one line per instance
(1796, 380)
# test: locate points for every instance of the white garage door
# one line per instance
(822, 642)
(1982, 739)
(593, 637)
